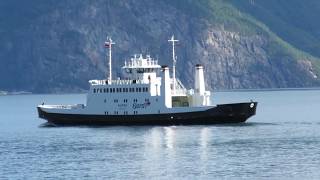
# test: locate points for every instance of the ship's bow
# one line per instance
(238, 112)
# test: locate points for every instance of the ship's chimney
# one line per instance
(165, 86)
(199, 80)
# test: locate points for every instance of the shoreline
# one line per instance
(5, 93)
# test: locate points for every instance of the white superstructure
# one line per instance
(147, 88)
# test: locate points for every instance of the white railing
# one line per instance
(140, 62)
(75, 106)
(115, 82)
(180, 90)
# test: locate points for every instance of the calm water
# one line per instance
(282, 140)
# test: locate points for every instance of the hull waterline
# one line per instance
(221, 114)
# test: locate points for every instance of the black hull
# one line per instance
(221, 114)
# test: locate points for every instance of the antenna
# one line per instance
(174, 59)
(108, 44)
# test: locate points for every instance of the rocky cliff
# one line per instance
(57, 46)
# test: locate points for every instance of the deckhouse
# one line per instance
(146, 89)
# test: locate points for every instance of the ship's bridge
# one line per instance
(139, 62)
(142, 68)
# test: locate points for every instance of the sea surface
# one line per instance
(281, 142)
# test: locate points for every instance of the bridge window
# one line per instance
(140, 70)
(129, 71)
(94, 90)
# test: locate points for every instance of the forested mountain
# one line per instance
(57, 46)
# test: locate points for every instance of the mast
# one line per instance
(174, 59)
(108, 44)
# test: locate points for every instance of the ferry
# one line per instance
(148, 95)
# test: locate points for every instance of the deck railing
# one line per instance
(75, 106)
(180, 90)
(115, 82)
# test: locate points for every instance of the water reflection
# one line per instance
(159, 147)
(156, 138)
(170, 136)
(204, 137)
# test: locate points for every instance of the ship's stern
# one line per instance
(41, 112)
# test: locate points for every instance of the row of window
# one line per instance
(142, 70)
(117, 113)
(126, 100)
(124, 112)
(119, 90)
